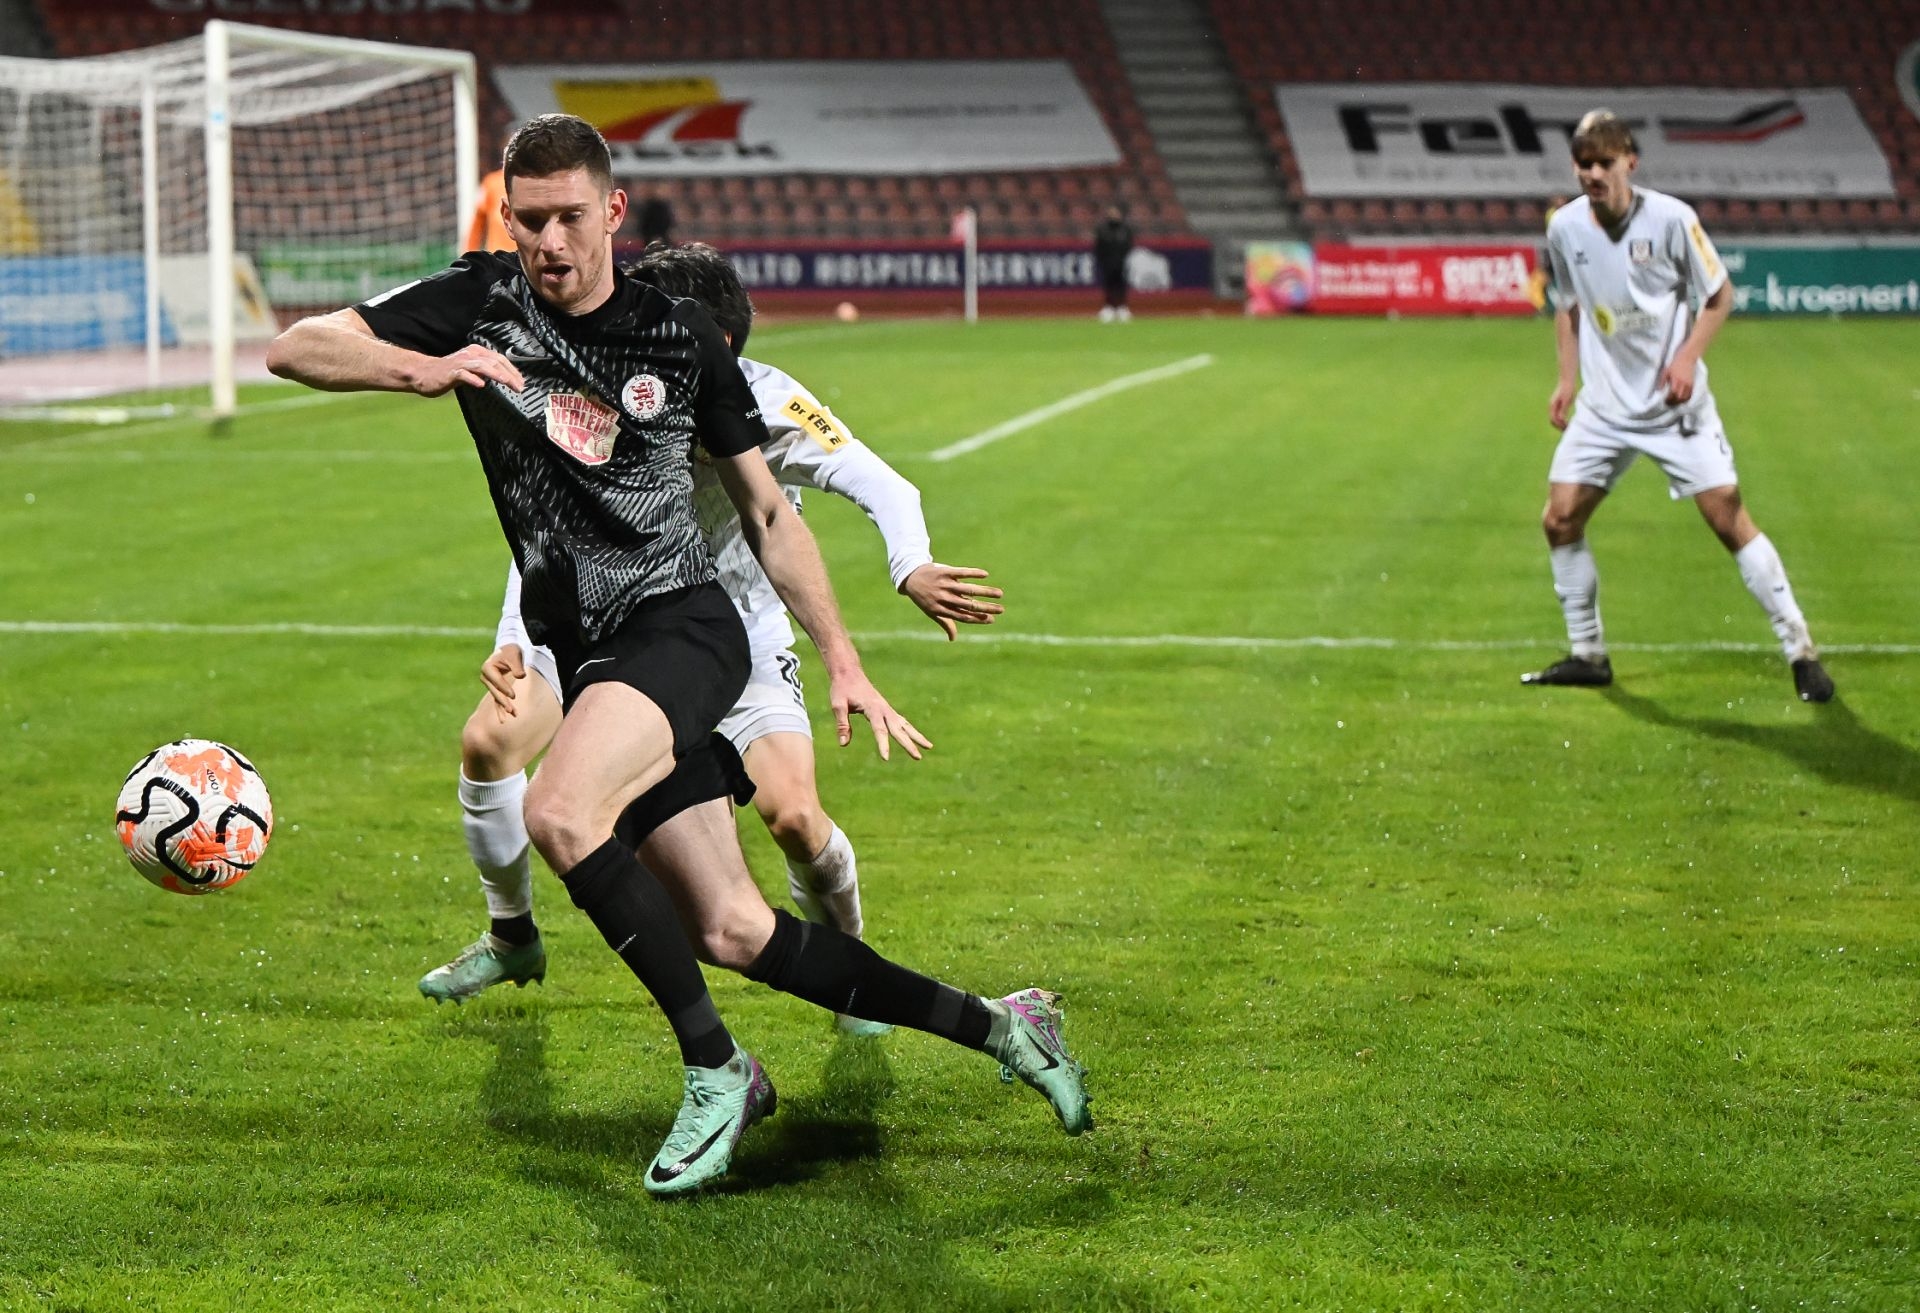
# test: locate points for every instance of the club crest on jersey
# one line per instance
(644, 396)
(1640, 250)
(582, 427)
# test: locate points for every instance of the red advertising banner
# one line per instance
(1409, 280)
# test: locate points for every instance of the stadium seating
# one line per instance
(1710, 43)
(1063, 205)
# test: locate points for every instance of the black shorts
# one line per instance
(685, 649)
(710, 769)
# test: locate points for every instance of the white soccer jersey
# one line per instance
(806, 447)
(1636, 298)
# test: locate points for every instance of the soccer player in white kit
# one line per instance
(1626, 264)
(807, 447)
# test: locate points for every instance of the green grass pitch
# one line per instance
(1402, 987)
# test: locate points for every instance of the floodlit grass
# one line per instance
(1402, 986)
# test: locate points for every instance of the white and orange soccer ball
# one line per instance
(194, 816)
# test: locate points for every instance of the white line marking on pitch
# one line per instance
(1020, 423)
(217, 456)
(804, 333)
(197, 415)
(1215, 641)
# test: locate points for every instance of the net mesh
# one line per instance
(344, 183)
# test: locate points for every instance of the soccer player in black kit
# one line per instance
(585, 393)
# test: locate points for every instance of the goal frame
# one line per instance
(222, 38)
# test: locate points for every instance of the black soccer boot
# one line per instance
(1811, 680)
(1573, 671)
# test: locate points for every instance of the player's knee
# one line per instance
(559, 828)
(486, 747)
(798, 823)
(1562, 524)
(733, 940)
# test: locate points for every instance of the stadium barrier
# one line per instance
(1800, 278)
(1824, 280)
(1170, 273)
(1328, 278)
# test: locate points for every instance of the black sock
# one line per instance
(637, 919)
(838, 972)
(518, 931)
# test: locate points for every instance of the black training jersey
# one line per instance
(589, 464)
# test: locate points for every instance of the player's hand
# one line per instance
(1560, 405)
(1677, 379)
(946, 595)
(470, 366)
(857, 695)
(501, 672)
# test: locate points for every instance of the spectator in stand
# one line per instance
(1112, 244)
(655, 221)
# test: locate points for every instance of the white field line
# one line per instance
(808, 332)
(1055, 409)
(1118, 641)
(281, 456)
(197, 415)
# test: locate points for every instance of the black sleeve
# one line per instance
(726, 418)
(433, 315)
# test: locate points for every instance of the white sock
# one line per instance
(1576, 582)
(1766, 579)
(827, 889)
(496, 827)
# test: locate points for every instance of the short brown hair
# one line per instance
(1603, 132)
(700, 272)
(558, 143)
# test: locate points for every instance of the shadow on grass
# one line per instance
(1832, 743)
(854, 1236)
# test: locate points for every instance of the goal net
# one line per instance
(163, 211)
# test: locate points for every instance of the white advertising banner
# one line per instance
(1486, 139)
(825, 116)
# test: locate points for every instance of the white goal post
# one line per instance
(158, 207)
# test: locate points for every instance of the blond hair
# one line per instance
(1603, 132)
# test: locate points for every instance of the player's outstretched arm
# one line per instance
(786, 551)
(1677, 377)
(851, 469)
(950, 597)
(1566, 349)
(339, 353)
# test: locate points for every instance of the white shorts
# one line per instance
(772, 703)
(538, 661)
(1692, 453)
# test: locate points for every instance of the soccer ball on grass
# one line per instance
(194, 816)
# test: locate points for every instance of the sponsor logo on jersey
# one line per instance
(815, 421)
(644, 396)
(1612, 322)
(1640, 250)
(582, 427)
(1709, 258)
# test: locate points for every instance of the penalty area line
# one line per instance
(1053, 410)
(1230, 642)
